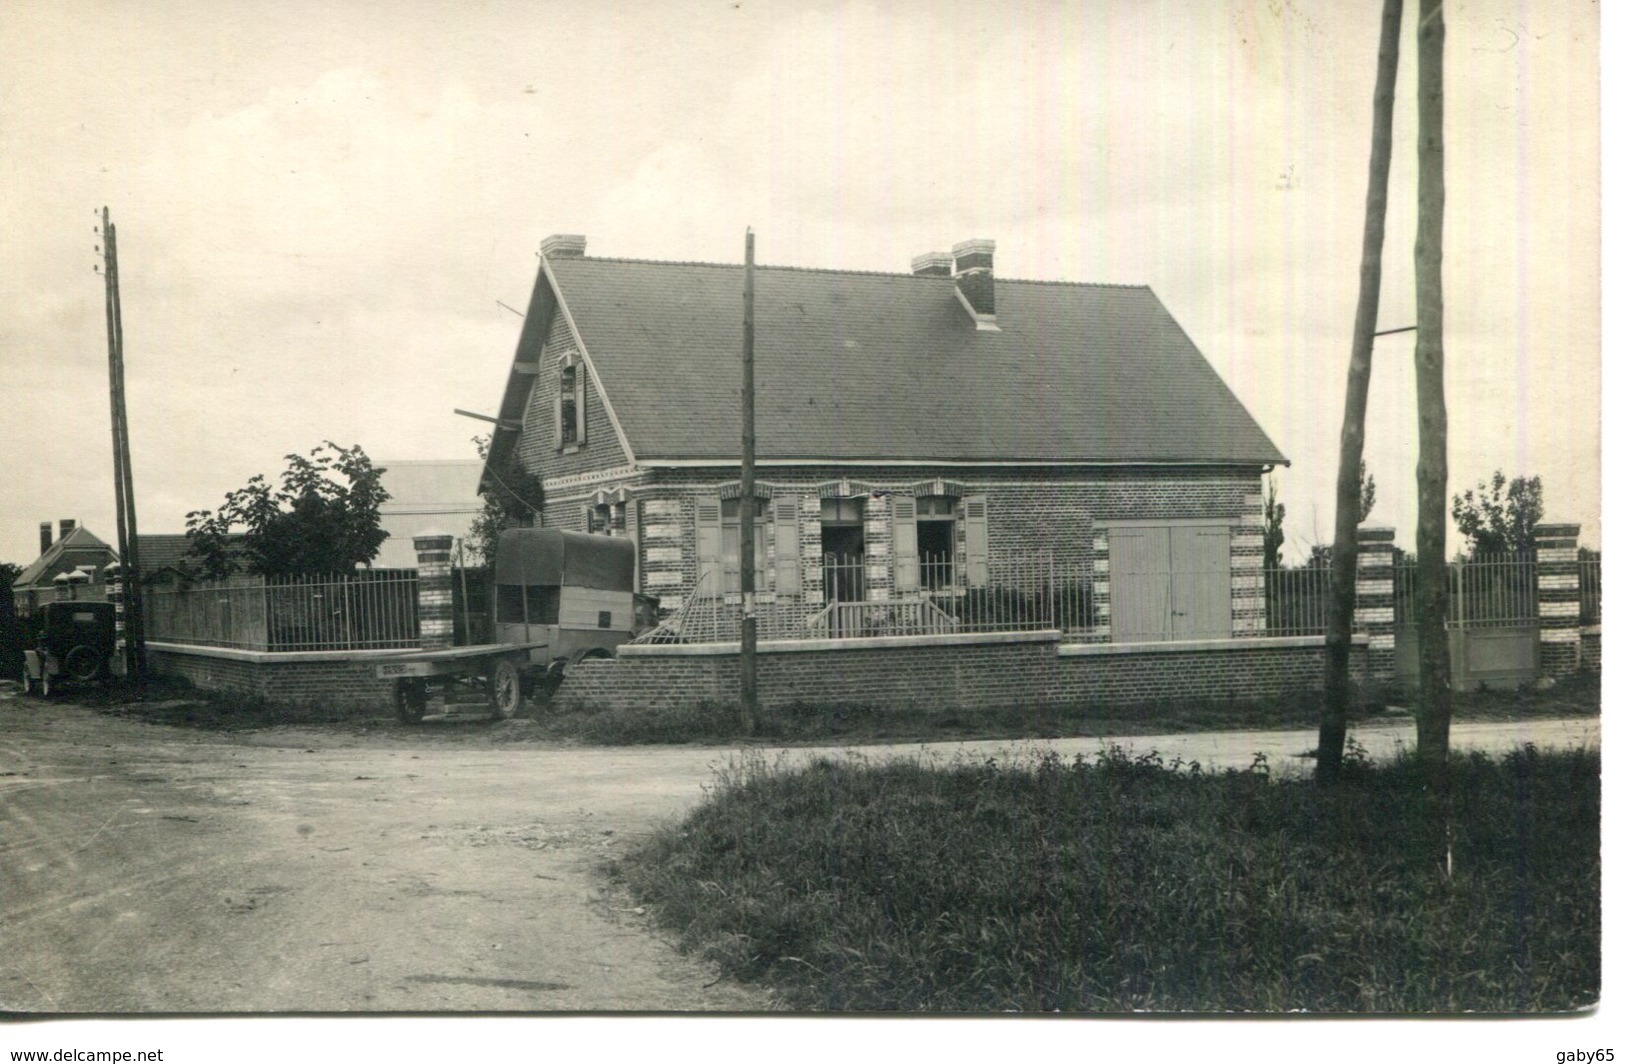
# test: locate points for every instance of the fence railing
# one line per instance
(372, 609)
(863, 597)
(1591, 590)
(1497, 591)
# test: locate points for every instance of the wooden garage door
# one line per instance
(1169, 582)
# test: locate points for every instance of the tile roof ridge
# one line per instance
(739, 266)
(901, 274)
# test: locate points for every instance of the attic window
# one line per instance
(570, 402)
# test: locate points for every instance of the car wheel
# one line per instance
(82, 664)
(411, 700)
(507, 691)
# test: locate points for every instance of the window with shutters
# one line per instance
(570, 402)
(607, 518)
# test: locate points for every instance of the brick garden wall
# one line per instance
(336, 683)
(951, 673)
(1262, 668)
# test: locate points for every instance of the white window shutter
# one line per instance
(787, 545)
(976, 540)
(558, 406)
(905, 543)
(708, 545)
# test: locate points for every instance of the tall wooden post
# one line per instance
(747, 500)
(1433, 590)
(1340, 619)
(123, 479)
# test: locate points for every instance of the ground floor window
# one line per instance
(731, 525)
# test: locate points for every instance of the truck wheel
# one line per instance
(82, 664)
(411, 700)
(507, 691)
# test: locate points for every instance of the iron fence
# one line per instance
(1591, 590)
(1297, 600)
(1490, 591)
(1030, 592)
(372, 609)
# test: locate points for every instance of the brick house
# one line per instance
(76, 550)
(919, 435)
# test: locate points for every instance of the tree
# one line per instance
(323, 519)
(1497, 523)
(512, 496)
(1351, 476)
(1433, 706)
(11, 636)
(1274, 534)
(1368, 493)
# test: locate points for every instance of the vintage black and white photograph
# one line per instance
(814, 508)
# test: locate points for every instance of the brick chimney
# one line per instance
(973, 272)
(564, 246)
(44, 536)
(67, 525)
(933, 264)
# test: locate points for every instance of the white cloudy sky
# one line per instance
(319, 206)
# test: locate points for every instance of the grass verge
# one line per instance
(1119, 884)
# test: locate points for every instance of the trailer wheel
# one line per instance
(411, 700)
(507, 691)
(82, 663)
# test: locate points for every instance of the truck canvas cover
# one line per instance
(555, 558)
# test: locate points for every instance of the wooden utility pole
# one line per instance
(1432, 465)
(1340, 623)
(123, 480)
(747, 500)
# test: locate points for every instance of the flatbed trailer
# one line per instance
(560, 597)
(501, 666)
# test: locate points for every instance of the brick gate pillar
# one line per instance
(435, 628)
(1557, 572)
(113, 577)
(1374, 598)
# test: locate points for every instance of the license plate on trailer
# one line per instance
(405, 668)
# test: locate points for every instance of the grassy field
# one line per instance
(1118, 884)
(717, 722)
(173, 701)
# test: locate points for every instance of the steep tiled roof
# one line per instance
(162, 550)
(78, 547)
(891, 367)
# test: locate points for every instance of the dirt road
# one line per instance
(151, 869)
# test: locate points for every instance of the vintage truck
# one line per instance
(559, 597)
(71, 641)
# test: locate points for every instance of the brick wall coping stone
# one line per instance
(782, 646)
(1068, 650)
(275, 657)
